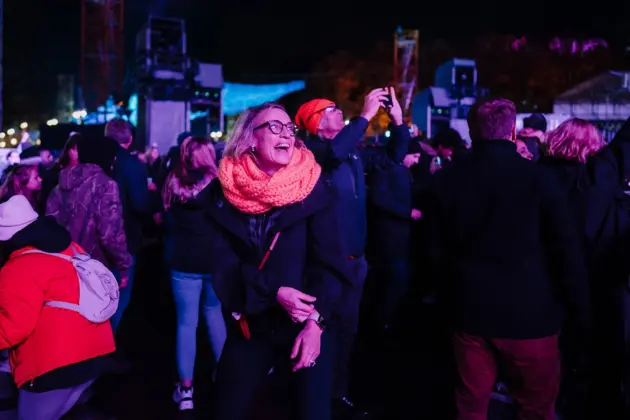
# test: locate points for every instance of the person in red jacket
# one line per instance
(55, 354)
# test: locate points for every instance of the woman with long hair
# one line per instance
(278, 265)
(22, 180)
(153, 160)
(592, 172)
(185, 196)
(69, 157)
(70, 154)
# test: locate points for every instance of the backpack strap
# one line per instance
(37, 251)
(75, 250)
(55, 303)
(63, 305)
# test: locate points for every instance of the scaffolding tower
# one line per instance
(102, 51)
(406, 64)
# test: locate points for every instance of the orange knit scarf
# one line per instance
(252, 191)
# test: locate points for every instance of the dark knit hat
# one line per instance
(99, 151)
(536, 121)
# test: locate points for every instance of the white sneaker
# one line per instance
(183, 397)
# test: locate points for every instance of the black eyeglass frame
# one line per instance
(291, 127)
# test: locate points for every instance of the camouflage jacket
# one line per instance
(87, 203)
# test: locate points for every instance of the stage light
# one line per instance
(24, 125)
(10, 131)
(14, 142)
(51, 122)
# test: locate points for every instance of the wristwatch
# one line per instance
(319, 320)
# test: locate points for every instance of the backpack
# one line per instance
(98, 287)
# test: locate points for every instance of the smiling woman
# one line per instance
(279, 268)
(275, 138)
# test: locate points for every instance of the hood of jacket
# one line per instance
(186, 194)
(71, 178)
(44, 234)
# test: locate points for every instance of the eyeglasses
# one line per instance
(276, 127)
(326, 110)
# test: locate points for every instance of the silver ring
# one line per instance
(313, 363)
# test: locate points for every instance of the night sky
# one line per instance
(42, 37)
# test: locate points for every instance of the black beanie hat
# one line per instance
(536, 121)
(99, 151)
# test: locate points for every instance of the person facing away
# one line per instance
(87, 203)
(391, 220)
(55, 353)
(508, 265)
(591, 173)
(533, 135)
(278, 265)
(131, 176)
(185, 199)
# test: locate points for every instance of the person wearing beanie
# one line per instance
(55, 353)
(334, 145)
(533, 134)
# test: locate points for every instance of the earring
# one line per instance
(253, 149)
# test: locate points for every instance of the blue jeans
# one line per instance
(125, 295)
(188, 289)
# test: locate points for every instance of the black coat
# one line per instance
(191, 234)
(600, 208)
(390, 204)
(504, 248)
(308, 255)
(131, 176)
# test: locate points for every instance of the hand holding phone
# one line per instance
(387, 103)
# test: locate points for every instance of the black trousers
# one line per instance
(393, 278)
(245, 363)
(609, 384)
(348, 325)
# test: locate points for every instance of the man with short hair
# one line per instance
(508, 264)
(132, 178)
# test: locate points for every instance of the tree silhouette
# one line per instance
(347, 77)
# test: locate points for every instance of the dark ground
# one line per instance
(413, 385)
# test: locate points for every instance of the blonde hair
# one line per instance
(16, 178)
(574, 139)
(197, 166)
(242, 140)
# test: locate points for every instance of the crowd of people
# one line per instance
(295, 232)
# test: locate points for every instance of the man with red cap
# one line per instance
(334, 145)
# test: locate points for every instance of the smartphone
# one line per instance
(388, 103)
